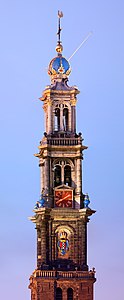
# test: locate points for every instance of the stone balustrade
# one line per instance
(63, 274)
(64, 141)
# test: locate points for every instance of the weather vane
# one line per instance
(59, 47)
(60, 15)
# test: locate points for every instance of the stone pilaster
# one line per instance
(61, 118)
(47, 175)
(42, 177)
(43, 242)
(38, 248)
(73, 102)
(49, 121)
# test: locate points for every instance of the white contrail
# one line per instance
(87, 37)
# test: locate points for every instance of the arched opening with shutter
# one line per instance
(58, 294)
(57, 119)
(69, 294)
(57, 176)
(65, 119)
(67, 175)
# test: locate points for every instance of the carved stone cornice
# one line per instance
(47, 93)
(65, 214)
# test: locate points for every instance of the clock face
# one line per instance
(63, 198)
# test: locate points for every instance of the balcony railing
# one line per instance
(62, 141)
(64, 274)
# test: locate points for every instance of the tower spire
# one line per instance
(59, 46)
(62, 212)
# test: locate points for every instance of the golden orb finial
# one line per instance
(59, 48)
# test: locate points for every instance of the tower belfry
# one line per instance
(62, 213)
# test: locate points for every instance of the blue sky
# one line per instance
(28, 39)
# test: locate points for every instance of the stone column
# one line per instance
(83, 229)
(75, 173)
(45, 116)
(50, 183)
(41, 176)
(73, 114)
(79, 182)
(53, 240)
(69, 119)
(38, 248)
(49, 117)
(75, 180)
(64, 293)
(46, 175)
(50, 240)
(61, 118)
(79, 175)
(73, 124)
(43, 241)
(85, 225)
(62, 172)
(74, 117)
(73, 177)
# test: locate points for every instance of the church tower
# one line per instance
(62, 213)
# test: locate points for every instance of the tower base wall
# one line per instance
(44, 284)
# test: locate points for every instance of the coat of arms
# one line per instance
(63, 243)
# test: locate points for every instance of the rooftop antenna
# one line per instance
(84, 41)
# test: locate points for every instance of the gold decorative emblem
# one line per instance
(68, 71)
(54, 72)
(61, 70)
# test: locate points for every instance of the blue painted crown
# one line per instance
(59, 65)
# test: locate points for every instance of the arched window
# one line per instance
(58, 294)
(69, 294)
(67, 175)
(65, 119)
(57, 119)
(57, 176)
(62, 172)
